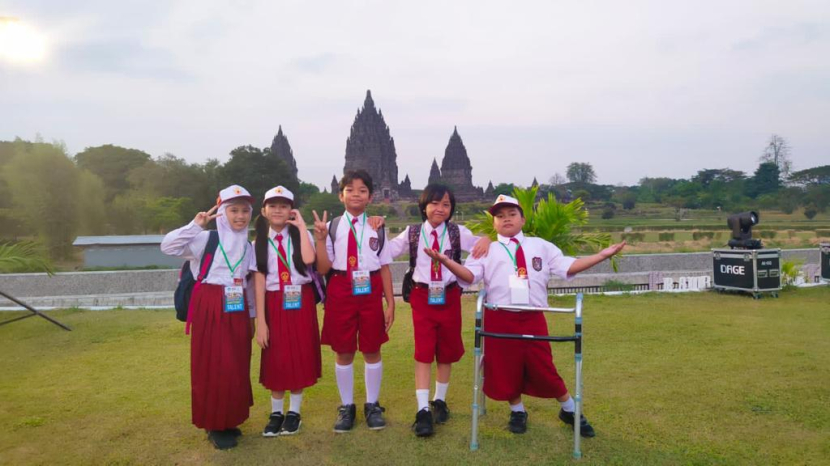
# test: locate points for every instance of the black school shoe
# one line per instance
(345, 418)
(222, 439)
(236, 431)
(275, 422)
(518, 422)
(292, 424)
(374, 415)
(440, 411)
(423, 424)
(585, 429)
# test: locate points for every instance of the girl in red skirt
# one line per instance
(286, 311)
(219, 315)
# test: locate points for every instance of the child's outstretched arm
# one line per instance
(388, 293)
(321, 233)
(261, 326)
(463, 273)
(585, 263)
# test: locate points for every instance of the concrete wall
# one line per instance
(141, 255)
(155, 287)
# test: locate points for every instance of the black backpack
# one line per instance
(414, 238)
(181, 297)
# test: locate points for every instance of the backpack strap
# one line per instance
(455, 241)
(414, 238)
(381, 238)
(335, 222)
(207, 256)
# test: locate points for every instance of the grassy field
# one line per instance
(696, 378)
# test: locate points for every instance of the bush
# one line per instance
(822, 233)
(666, 236)
(810, 211)
(633, 237)
(768, 234)
(699, 235)
(615, 285)
(607, 213)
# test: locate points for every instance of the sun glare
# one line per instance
(20, 43)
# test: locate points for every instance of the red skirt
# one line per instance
(220, 361)
(292, 359)
(516, 367)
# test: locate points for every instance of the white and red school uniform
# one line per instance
(220, 345)
(437, 327)
(516, 367)
(355, 322)
(292, 359)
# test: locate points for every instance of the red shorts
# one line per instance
(437, 328)
(351, 322)
(516, 367)
(292, 359)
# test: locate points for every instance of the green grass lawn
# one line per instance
(696, 378)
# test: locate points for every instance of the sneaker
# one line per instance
(374, 415)
(423, 423)
(518, 422)
(585, 429)
(345, 418)
(222, 439)
(440, 411)
(292, 424)
(275, 422)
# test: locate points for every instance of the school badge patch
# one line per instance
(373, 243)
(448, 253)
(537, 264)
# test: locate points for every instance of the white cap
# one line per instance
(502, 201)
(234, 192)
(279, 192)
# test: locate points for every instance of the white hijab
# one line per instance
(234, 242)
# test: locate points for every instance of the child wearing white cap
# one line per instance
(286, 311)
(516, 271)
(219, 315)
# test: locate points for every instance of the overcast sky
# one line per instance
(636, 88)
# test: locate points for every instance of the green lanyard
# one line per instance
(443, 235)
(286, 261)
(362, 230)
(231, 267)
(512, 258)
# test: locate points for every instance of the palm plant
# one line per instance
(25, 256)
(552, 221)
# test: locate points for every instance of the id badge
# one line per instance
(292, 297)
(234, 299)
(519, 290)
(361, 283)
(437, 294)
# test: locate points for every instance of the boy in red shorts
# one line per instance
(357, 261)
(516, 271)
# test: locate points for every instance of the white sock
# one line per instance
(345, 382)
(441, 390)
(518, 407)
(423, 398)
(296, 401)
(567, 406)
(276, 405)
(373, 375)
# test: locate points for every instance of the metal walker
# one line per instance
(479, 407)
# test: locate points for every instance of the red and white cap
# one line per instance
(503, 201)
(279, 192)
(234, 192)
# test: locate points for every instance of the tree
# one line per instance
(111, 164)
(306, 191)
(557, 179)
(708, 176)
(43, 183)
(321, 202)
(766, 180)
(778, 152)
(257, 171)
(581, 173)
(811, 176)
(171, 176)
(503, 188)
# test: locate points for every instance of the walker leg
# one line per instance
(578, 366)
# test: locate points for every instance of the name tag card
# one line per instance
(292, 297)
(234, 299)
(361, 283)
(519, 290)
(437, 294)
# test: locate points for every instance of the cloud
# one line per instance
(126, 57)
(315, 64)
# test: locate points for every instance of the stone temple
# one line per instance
(281, 148)
(371, 147)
